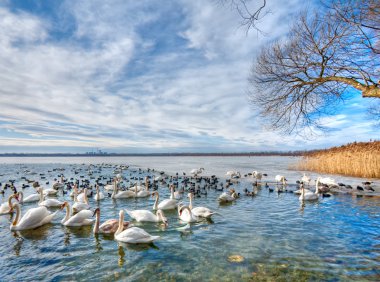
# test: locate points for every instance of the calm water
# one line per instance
(335, 239)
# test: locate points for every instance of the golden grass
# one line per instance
(360, 159)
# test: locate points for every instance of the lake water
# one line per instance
(334, 239)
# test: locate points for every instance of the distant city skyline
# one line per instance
(144, 77)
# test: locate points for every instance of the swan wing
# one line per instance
(167, 204)
(33, 217)
(202, 212)
(79, 218)
(32, 198)
(125, 194)
(4, 208)
(135, 235)
(142, 215)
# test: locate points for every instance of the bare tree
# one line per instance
(297, 81)
(250, 11)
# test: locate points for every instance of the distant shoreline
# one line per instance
(249, 154)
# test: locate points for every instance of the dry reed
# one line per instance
(360, 159)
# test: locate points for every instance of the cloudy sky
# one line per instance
(142, 76)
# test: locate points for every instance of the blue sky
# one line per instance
(143, 76)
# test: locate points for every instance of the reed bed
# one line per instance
(360, 159)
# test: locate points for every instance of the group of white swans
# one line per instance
(79, 214)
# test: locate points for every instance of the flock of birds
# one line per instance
(78, 212)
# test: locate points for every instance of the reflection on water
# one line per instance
(279, 237)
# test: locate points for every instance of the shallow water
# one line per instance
(333, 239)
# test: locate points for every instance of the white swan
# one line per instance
(196, 171)
(109, 187)
(185, 214)
(81, 196)
(326, 180)
(33, 218)
(50, 192)
(168, 204)
(227, 198)
(31, 198)
(142, 193)
(233, 174)
(122, 194)
(48, 202)
(109, 226)
(132, 235)
(306, 179)
(81, 218)
(77, 206)
(257, 175)
(280, 178)
(199, 211)
(148, 216)
(6, 207)
(75, 191)
(308, 196)
(99, 195)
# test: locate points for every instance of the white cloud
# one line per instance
(114, 81)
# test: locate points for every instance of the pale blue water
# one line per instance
(335, 239)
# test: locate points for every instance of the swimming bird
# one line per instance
(148, 216)
(233, 174)
(280, 178)
(227, 198)
(326, 180)
(99, 195)
(199, 211)
(167, 204)
(121, 194)
(132, 235)
(185, 214)
(306, 179)
(196, 171)
(80, 219)
(31, 198)
(257, 175)
(109, 226)
(33, 218)
(6, 207)
(78, 206)
(308, 196)
(48, 202)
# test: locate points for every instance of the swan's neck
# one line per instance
(10, 200)
(146, 184)
(97, 193)
(120, 228)
(156, 201)
(191, 203)
(85, 196)
(136, 189)
(21, 197)
(75, 196)
(114, 192)
(316, 186)
(67, 216)
(302, 192)
(41, 196)
(97, 222)
(159, 215)
(18, 214)
(171, 192)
